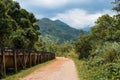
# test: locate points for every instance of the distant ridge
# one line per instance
(58, 29)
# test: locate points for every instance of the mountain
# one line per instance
(87, 29)
(57, 29)
(58, 22)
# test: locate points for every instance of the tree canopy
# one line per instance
(18, 27)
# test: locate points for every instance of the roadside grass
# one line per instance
(25, 72)
(81, 67)
(86, 73)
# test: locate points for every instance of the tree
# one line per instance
(18, 27)
(7, 25)
(117, 5)
(104, 28)
(84, 46)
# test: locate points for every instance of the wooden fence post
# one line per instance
(3, 66)
(15, 61)
(38, 57)
(29, 59)
(24, 64)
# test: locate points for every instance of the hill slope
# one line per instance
(57, 29)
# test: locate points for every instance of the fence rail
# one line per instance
(20, 59)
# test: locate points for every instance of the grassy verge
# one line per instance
(86, 73)
(26, 72)
(81, 69)
(80, 66)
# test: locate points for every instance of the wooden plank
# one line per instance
(38, 58)
(24, 64)
(3, 67)
(30, 64)
(41, 58)
(15, 61)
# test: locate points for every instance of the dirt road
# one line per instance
(61, 69)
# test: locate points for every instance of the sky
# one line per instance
(78, 14)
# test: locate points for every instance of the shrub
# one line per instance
(103, 63)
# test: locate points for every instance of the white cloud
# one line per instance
(76, 18)
(39, 16)
(79, 19)
(49, 3)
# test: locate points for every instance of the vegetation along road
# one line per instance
(61, 69)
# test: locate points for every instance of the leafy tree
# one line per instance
(117, 5)
(7, 25)
(84, 46)
(18, 27)
(104, 28)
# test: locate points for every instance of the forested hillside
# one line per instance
(57, 30)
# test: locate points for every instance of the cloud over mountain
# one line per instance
(79, 18)
(76, 13)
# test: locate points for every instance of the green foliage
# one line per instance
(104, 28)
(108, 53)
(102, 64)
(101, 49)
(117, 5)
(19, 40)
(84, 46)
(110, 72)
(7, 25)
(18, 27)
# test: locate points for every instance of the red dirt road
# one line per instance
(61, 69)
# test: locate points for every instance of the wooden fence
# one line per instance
(17, 59)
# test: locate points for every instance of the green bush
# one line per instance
(103, 62)
(110, 72)
(108, 53)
